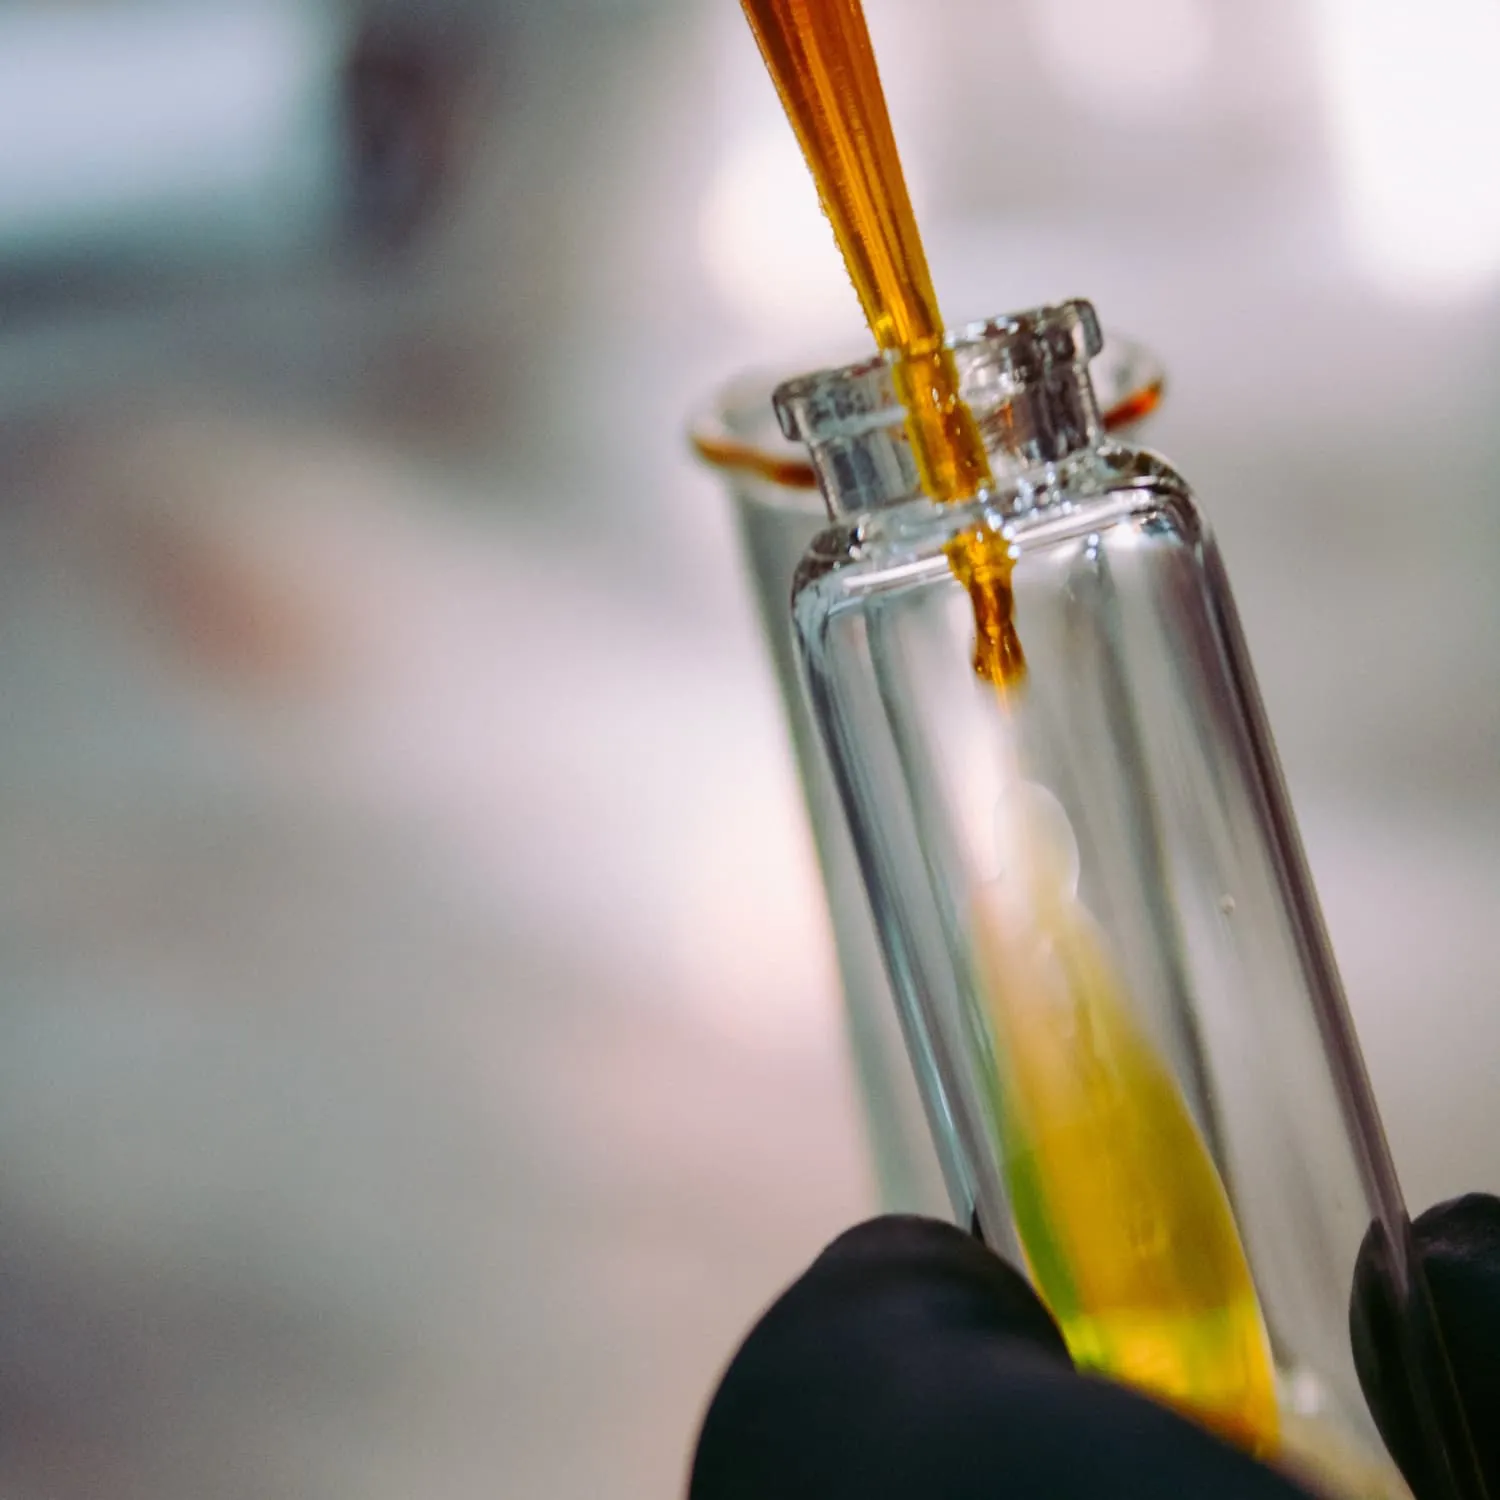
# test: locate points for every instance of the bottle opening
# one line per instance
(1025, 378)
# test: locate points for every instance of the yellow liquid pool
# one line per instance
(1122, 1215)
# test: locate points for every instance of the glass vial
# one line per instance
(1095, 911)
(778, 510)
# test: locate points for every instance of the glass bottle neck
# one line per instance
(1025, 378)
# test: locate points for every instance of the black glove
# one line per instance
(909, 1363)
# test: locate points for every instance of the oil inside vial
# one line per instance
(1126, 1225)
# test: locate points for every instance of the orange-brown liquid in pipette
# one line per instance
(820, 58)
(1120, 1210)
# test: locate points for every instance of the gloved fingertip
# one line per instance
(1459, 1244)
(1464, 1230)
(935, 1270)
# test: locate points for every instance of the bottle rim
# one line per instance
(993, 357)
(734, 432)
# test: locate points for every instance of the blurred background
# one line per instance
(420, 1051)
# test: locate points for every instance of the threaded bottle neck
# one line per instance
(1025, 379)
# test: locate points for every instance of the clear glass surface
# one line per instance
(1098, 922)
(778, 511)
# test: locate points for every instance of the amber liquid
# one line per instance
(1126, 1226)
(819, 55)
(1123, 1218)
